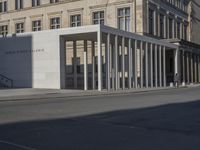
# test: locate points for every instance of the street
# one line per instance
(155, 120)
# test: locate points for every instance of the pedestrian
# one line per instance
(176, 80)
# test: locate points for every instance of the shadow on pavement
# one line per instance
(168, 127)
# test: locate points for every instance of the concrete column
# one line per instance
(108, 62)
(130, 65)
(123, 63)
(176, 61)
(136, 66)
(160, 66)
(192, 68)
(75, 64)
(167, 26)
(146, 66)
(155, 22)
(198, 68)
(183, 66)
(156, 66)
(116, 63)
(151, 65)
(164, 67)
(99, 42)
(158, 23)
(93, 66)
(85, 66)
(141, 64)
(188, 68)
(195, 68)
(112, 65)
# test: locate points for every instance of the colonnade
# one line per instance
(129, 63)
(190, 67)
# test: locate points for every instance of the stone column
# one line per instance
(151, 65)
(158, 22)
(198, 68)
(123, 62)
(160, 66)
(99, 43)
(136, 65)
(188, 68)
(85, 66)
(130, 65)
(155, 22)
(75, 64)
(164, 67)
(146, 66)
(93, 66)
(192, 68)
(141, 64)
(176, 62)
(108, 62)
(116, 63)
(183, 67)
(195, 68)
(156, 66)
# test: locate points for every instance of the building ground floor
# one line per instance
(95, 57)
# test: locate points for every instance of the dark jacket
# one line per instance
(176, 78)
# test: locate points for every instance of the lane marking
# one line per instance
(17, 145)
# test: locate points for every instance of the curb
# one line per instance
(82, 94)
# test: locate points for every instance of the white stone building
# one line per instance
(139, 44)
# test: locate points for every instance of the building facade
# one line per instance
(169, 21)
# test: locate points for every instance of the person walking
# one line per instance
(176, 80)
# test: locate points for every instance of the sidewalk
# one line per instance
(34, 94)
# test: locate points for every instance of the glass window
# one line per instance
(75, 20)
(3, 6)
(161, 26)
(124, 19)
(178, 30)
(36, 25)
(185, 32)
(19, 27)
(170, 28)
(98, 17)
(35, 3)
(4, 30)
(151, 22)
(55, 23)
(18, 4)
(54, 1)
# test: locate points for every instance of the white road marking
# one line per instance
(16, 145)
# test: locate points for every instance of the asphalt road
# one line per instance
(156, 120)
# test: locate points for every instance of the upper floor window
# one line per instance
(19, 27)
(3, 6)
(151, 22)
(170, 28)
(185, 32)
(124, 19)
(54, 1)
(98, 17)
(4, 30)
(35, 3)
(161, 25)
(55, 23)
(37, 25)
(19, 4)
(75, 20)
(178, 30)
